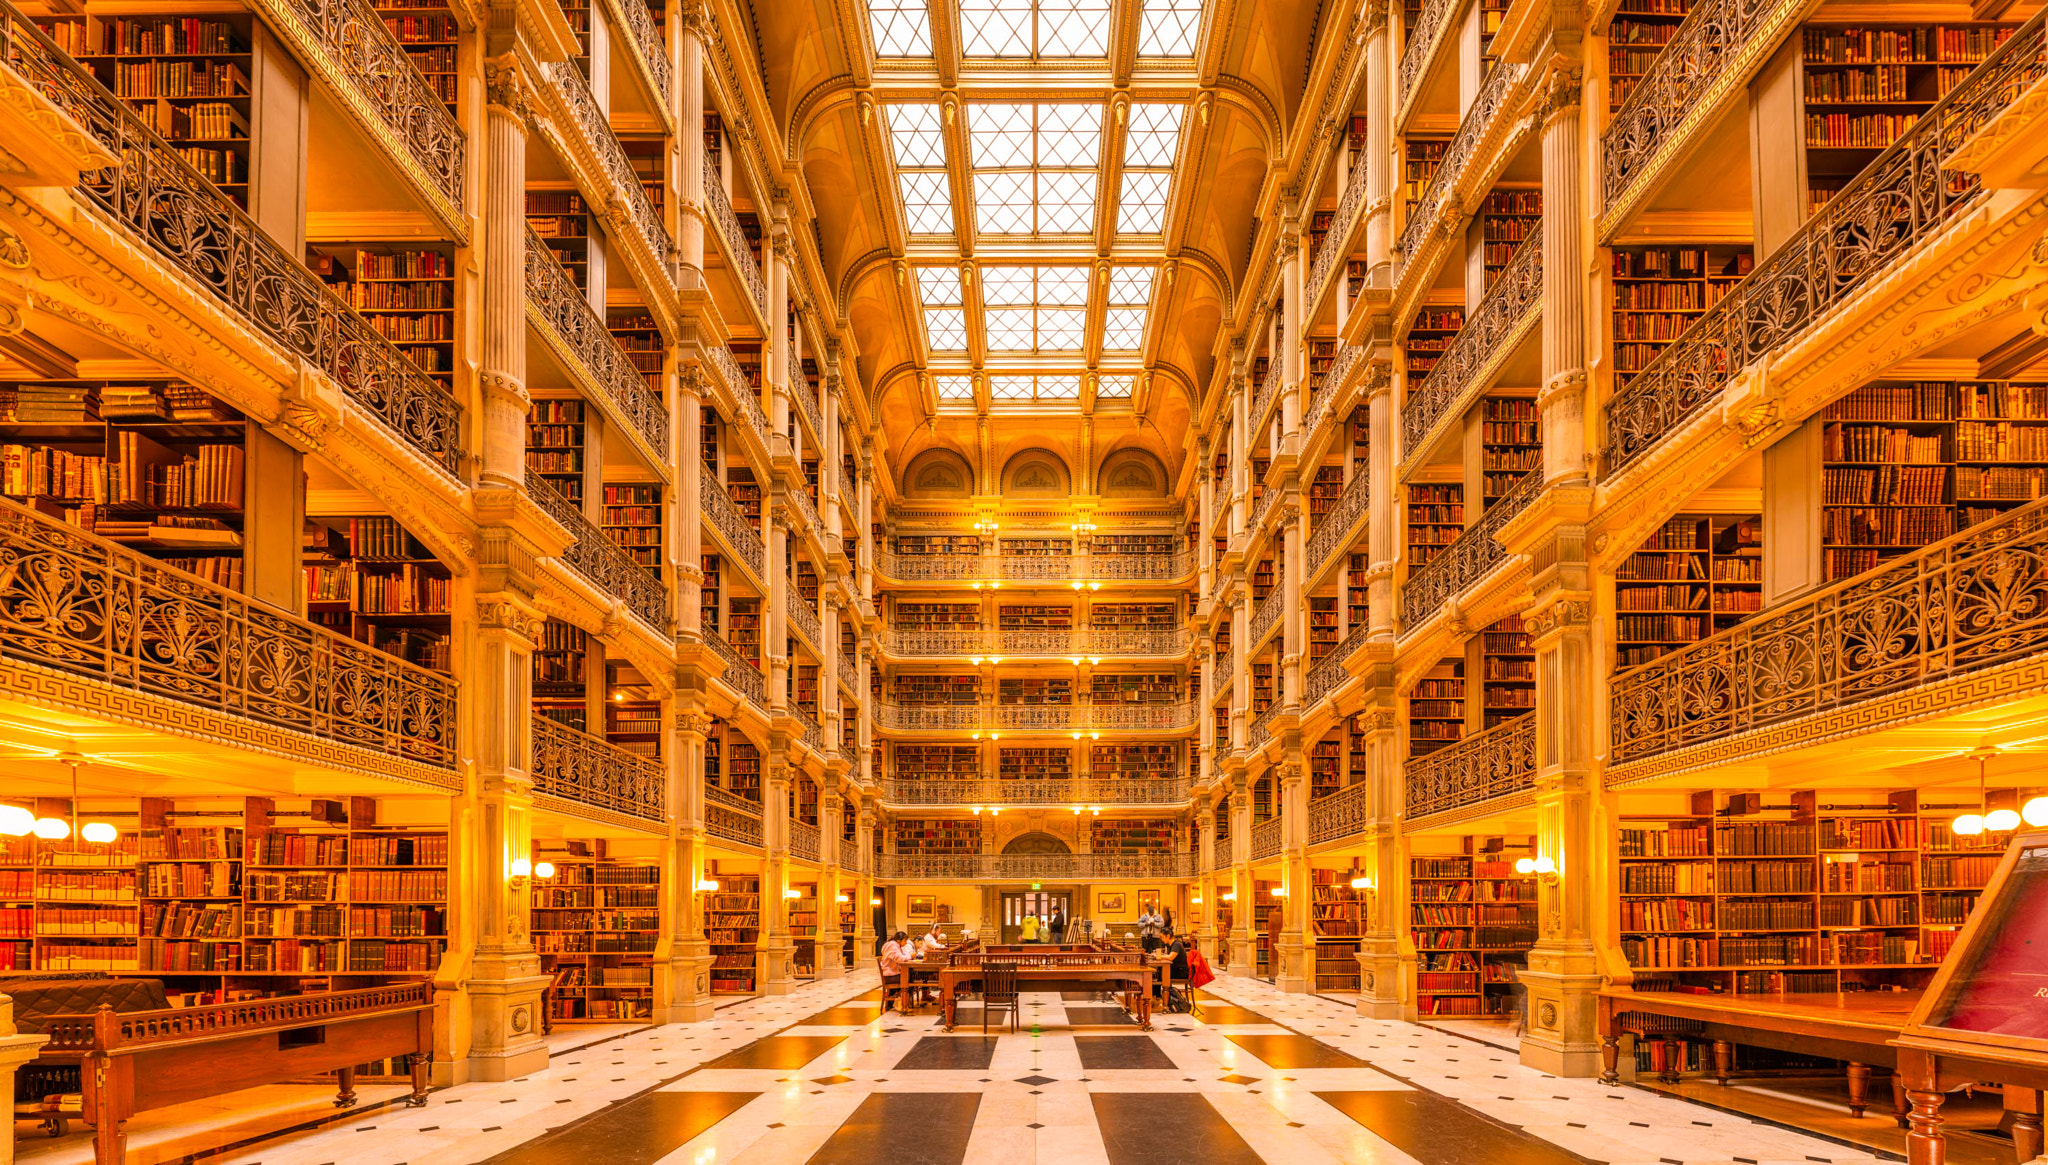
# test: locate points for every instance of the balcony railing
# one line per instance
(71, 602)
(1334, 532)
(732, 524)
(1320, 401)
(812, 734)
(556, 302)
(739, 675)
(601, 562)
(1221, 671)
(800, 501)
(805, 619)
(1036, 717)
(1139, 791)
(1034, 791)
(1266, 614)
(803, 841)
(1465, 562)
(1337, 242)
(1261, 729)
(1495, 763)
(1266, 838)
(849, 854)
(350, 39)
(1901, 198)
(1099, 567)
(744, 391)
(1136, 641)
(647, 45)
(713, 795)
(938, 791)
(1429, 25)
(1514, 299)
(588, 770)
(1493, 101)
(1329, 671)
(193, 227)
(1030, 867)
(1142, 567)
(1269, 387)
(929, 567)
(738, 251)
(1972, 601)
(1032, 566)
(927, 717)
(1343, 813)
(721, 822)
(972, 641)
(807, 403)
(618, 169)
(1256, 520)
(849, 675)
(1096, 641)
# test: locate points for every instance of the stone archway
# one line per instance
(1037, 843)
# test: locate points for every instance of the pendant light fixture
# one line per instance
(97, 832)
(1974, 824)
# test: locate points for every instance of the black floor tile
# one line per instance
(1081, 996)
(1214, 1010)
(949, 1053)
(1099, 1017)
(782, 1053)
(904, 1128)
(1109, 1053)
(1436, 1131)
(1287, 1050)
(639, 1131)
(844, 1015)
(1168, 1128)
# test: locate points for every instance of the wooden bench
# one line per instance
(132, 1062)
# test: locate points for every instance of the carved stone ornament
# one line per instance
(1571, 382)
(505, 86)
(522, 1018)
(504, 615)
(1371, 979)
(1546, 1016)
(697, 722)
(1562, 91)
(13, 251)
(1563, 614)
(1758, 423)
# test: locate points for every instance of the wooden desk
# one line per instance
(1060, 976)
(1860, 1028)
(1931, 1072)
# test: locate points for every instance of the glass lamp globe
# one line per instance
(2001, 821)
(1968, 825)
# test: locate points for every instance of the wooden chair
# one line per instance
(998, 990)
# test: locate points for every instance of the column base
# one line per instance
(776, 978)
(1379, 979)
(505, 1039)
(688, 982)
(835, 966)
(15, 1050)
(1244, 958)
(1562, 1036)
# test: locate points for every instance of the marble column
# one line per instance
(776, 946)
(691, 194)
(1243, 946)
(682, 962)
(1294, 962)
(831, 883)
(502, 217)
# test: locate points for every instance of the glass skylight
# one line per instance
(1049, 387)
(1169, 28)
(917, 138)
(1129, 306)
(1034, 309)
(1151, 143)
(1034, 167)
(954, 387)
(1036, 28)
(901, 28)
(945, 317)
(1114, 386)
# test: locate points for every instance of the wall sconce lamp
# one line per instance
(707, 885)
(1542, 865)
(524, 870)
(789, 892)
(1278, 892)
(1363, 882)
(874, 902)
(1230, 896)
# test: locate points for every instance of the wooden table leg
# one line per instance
(1924, 1143)
(1610, 1059)
(1144, 1011)
(948, 993)
(2025, 1106)
(418, 1099)
(1859, 1089)
(1899, 1098)
(1724, 1060)
(345, 1094)
(1674, 1059)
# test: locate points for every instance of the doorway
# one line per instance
(1041, 903)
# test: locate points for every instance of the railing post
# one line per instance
(682, 989)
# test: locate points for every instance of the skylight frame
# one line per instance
(1035, 31)
(1035, 167)
(900, 29)
(1152, 143)
(1169, 30)
(917, 145)
(1039, 314)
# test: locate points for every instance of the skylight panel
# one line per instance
(1063, 286)
(1009, 388)
(900, 28)
(1009, 329)
(1000, 135)
(1007, 286)
(1073, 28)
(1059, 387)
(917, 136)
(1114, 386)
(1003, 203)
(996, 28)
(1035, 167)
(954, 387)
(927, 204)
(945, 329)
(1169, 28)
(1141, 206)
(1035, 28)
(1130, 285)
(1062, 329)
(940, 286)
(1153, 136)
(1123, 329)
(1066, 203)
(1069, 135)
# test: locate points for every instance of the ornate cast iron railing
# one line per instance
(1269, 387)
(1343, 813)
(648, 46)
(1329, 671)
(738, 251)
(739, 675)
(1337, 241)
(803, 841)
(1515, 296)
(746, 394)
(849, 854)
(807, 403)
(1139, 791)
(723, 823)
(1320, 402)
(1971, 601)
(1422, 41)
(1261, 729)
(1136, 717)
(1266, 838)
(1026, 867)
(1029, 566)
(1134, 641)
(1257, 519)
(1333, 533)
(928, 567)
(588, 770)
(800, 501)
(807, 727)
(732, 523)
(1901, 198)
(558, 303)
(1140, 567)
(925, 718)
(618, 169)
(1221, 670)
(1465, 562)
(713, 795)
(602, 562)
(1495, 763)
(1705, 47)
(937, 791)
(158, 196)
(1033, 642)
(1493, 100)
(971, 642)
(1265, 615)
(805, 620)
(848, 674)
(353, 39)
(75, 603)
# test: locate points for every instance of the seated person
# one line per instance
(933, 941)
(897, 954)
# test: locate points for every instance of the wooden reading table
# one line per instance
(1858, 1027)
(1048, 970)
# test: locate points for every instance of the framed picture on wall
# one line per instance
(921, 905)
(1109, 903)
(1148, 901)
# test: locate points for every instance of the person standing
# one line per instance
(1056, 927)
(1029, 928)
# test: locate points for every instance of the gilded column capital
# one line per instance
(694, 722)
(507, 89)
(1562, 91)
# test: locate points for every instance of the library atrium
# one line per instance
(980, 582)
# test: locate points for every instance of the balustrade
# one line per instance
(1463, 563)
(159, 197)
(72, 602)
(1266, 838)
(1900, 199)
(619, 173)
(731, 523)
(745, 393)
(849, 675)
(928, 567)
(601, 562)
(1338, 241)
(1032, 867)
(1269, 387)
(1497, 762)
(804, 618)
(1494, 100)
(648, 48)
(1334, 532)
(807, 403)
(713, 795)
(1266, 615)
(555, 301)
(1343, 813)
(807, 727)
(588, 770)
(739, 252)
(739, 675)
(1261, 729)
(1329, 671)
(1512, 301)
(803, 841)
(849, 854)
(721, 822)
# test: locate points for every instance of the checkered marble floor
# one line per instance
(823, 1075)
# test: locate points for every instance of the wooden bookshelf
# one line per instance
(643, 344)
(1660, 291)
(1357, 591)
(406, 294)
(1322, 627)
(1035, 764)
(1325, 767)
(1441, 916)
(1436, 518)
(802, 919)
(1421, 156)
(369, 579)
(732, 923)
(742, 628)
(429, 32)
(1436, 709)
(1511, 444)
(595, 924)
(632, 519)
(554, 445)
(1036, 547)
(1694, 576)
(937, 616)
(1035, 617)
(745, 493)
(1323, 491)
(937, 836)
(1263, 907)
(561, 660)
(743, 767)
(562, 221)
(709, 607)
(917, 691)
(1636, 35)
(1506, 219)
(1110, 762)
(937, 761)
(1034, 691)
(1142, 545)
(1155, 688)
(1507, 663)
(1107, 835)
(1428, 338)
(634, 725)
(941, 545)
(1134, 616)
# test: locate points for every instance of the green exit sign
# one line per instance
(1034, 885)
